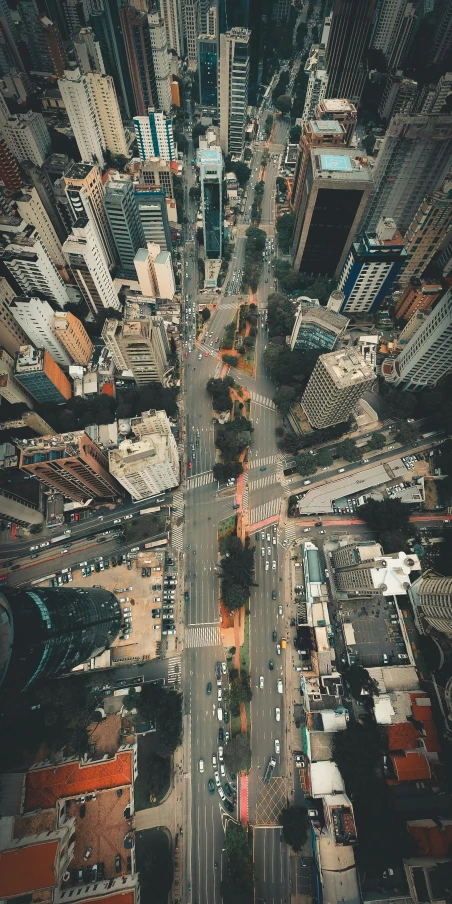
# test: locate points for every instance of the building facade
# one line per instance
(32, 210)
(435, 600)
(233, 89)
(371, 268)
(88, 52)
(147, 463)
(31, 267)
(393, 28)
(70, 463)
(208, 70)
(399, 96)
(157, 173)
(41, 376)
(338, 380)
(107, 108)
(316, 326)
(171, 11)
(85, 192)
(152, 208)
(210, 164)
(419, 295)
(73, 337)
(347, 46)
(140, 346)
(139, 56)
(90, 267)
(83, 116)
(12, 336)
(155, 136)
(159, 49)
(125, 223)
(427, 355)
(315, 69)
(430, 228)
(27, 137)
(154, 270)
(37, 318)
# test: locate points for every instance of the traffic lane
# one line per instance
(39, 569)
(268, 852)
(264, 620)
(203, 553)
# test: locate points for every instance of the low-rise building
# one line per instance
(147, 463)
(316, 326)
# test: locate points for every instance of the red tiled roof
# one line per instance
(431, 739)
(45, 786)
(432, 841)
(421, 713)
(411, 767)
(402, 736)
(27, 869)
(108, 389)
(118, 897)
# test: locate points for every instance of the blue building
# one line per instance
(211, 177)
(125, 223)
(208, 70)
(316, 327)
(371, 268)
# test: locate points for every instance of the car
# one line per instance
(87, 853)
(128, 517)
(226, 717)
(217, 778)
(199, 357)
(190, 465)
(280, 610)
(263, 551)
(278, 649)
(219, 694)
(263, 468)
(278, 714)
(262, 536)
(209, 688)
(277, 746)
(221, 793)
(280, 686)
(306, 530)
(271, 664)
(365, 461)
(211, 786)
(220, 754)
(267, 565)
(220, 735)
(223, 668)
(117, 521)
(284, 544)
(261, 681)
(228, 805)
(222, 770)
(403, 656)
(269, 551)
(227, 789)
(201, 765)
(273, 566)
(214, 760)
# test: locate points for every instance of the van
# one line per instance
(220, 714)
(283, 643)
(341, 470)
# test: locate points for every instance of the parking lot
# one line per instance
(378, 632)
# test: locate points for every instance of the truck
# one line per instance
(269, 770)
(60, 537)
(162, 542)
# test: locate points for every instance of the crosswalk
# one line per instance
(202, 636)
(270, 460)
(264, 511)
(259, 399)
(177, 527)
(290, 532)
(174, 670)
(263, 481)
(200, 480)
(245, 493)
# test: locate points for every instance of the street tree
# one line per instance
(323, 458)
(294, 822)
(359, 682)
(284, 398)
(234, 595)
(283, 103)
(348, 450)
(406, 433)
(237, 754)
(205, 315)
(377, 441)
(305, 464)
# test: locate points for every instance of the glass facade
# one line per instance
(212, 219)
(311, 335)
(207, 69)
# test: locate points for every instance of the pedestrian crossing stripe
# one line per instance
(202, 636)
(200, 480)
(262, 400)
(263, 482)
(174, 670)
(264, 511)
(260, 462)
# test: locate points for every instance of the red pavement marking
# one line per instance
(244, 800)
(224, 370)
(260, 524)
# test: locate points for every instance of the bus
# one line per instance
(432, 434)
(45, 577)
(61, 537)
(154, 543)
(149, 511)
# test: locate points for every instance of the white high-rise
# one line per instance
(191, 24)
(172, 14)
(233, 89)
(27, 137)
(148, 463)
(107, 107)
(427, 356)
(89, 267)
(315, 69)
(85, 191)
(37, 318)
(88, 52)
(160, 58)
(83, 117)
(32, 210)
(30, 265)
(155, 136)
(155, 271)
(394, 23)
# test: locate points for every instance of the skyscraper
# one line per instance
(211, 180)
(83, 117)
(107, 108)
(208, 70)
(413, 160)
(70, 463)
(171, 11)
(55, 46)
(155, 136)
(32, 210)
(38, 177)
(30, 265)
(428, 229)
(400, 95)
(337, 382)
(12, 335)
(9, 168)
(419, 295)
(316, 326)
(124, 219)
(41, 376)
(190, 11)
(105, 20)
(393, 28)
(47, 631)
(9, 53)
(347, 45)
(326, 134)
(90, 268)
(139, 345)
(233, 89)
(315, 69)
(37, 319)
(443, 31)
(73, 337)
(155, 272)
(159, 49)
(155, 172)
(88, 52)
(85, 191)
(153, 213)
(148, 463)
(27, 137)
(434, 593)
(139, 56)
(372, 266)
(33, 34)
(427, 355)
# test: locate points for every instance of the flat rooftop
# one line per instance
(320, 498)
(343, 165)
(103, 829)
(326, 127)
(347, 367)
(78, 171)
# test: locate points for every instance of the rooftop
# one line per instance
(28, 868)
(319, 498)
(78, 171)
(213, 155)
(325, 778)
(411, 766)
(341, 166)
(104, 828)
(44, 786)
(347, 367)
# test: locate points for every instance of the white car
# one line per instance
(200, 357)
(269, 550)
(222, 770)
(127, 517)
(273, 566)
(220, 754)
(214, 760)
(268, 538)
(263, 551)
(261, 681)
(280, 610)
(274, 541)
(278, 714)
(280, 686)
(201, 765)
(216, 776)
(219, 694)
(221, 793)
(267, 565)
(277, 746)
(223, 668)
(117, 521)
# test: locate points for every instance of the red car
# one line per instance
(190, 464)
(186, 354)
(206, 355)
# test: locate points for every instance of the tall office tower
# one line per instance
(413, 160)
(233, 89)
(157, 173)
(337, 189)
(32, 210)
(410, 328)
(427, 356)
(55, 46)
(435, 601)
(347, 47)
(325, 134)
(152, 208)
(394, 25)
(9, 168)
(88, 52)
(428, 230)
(155, 136)
(419, 295)
(315, 70)
(371, 572)
(107, 108)
(89, 267)
(159, 48)
(9, 54)
(442, 92)
(125, 224)
(83, 117)
(48, 631)
(338, 380)
(371, 268)
(70, 463)
(399, 96)
(37, 319)
(4, 112)
(147, 463)
(12, 335)
(171, 11)
(281, 11)
(208, 70)
(38, 178)
(211, 180)
(30, 265)
(33, 35)
(140, 346)
(316, 326)
(340, 110)
(105, 20)
(154, 270)
(73, 337)
(41, 376)
(86, 194)
(442, 39)
(190, 10)
(140, 59)
(27, 137)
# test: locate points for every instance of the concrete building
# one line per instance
(434, 602)
(55, 46)
(372, 266)
(152, 208)
(419, 295)
(37, 318)
(315, 69)
(233, 89)
(147, 463)
(73, 337)
(40, 375)
(138, 345)
(85, 192)
(33, 35)
(190, 11)
(171, 11)
(89, 267)
(338, 380)
(137, 40)
(316, 327)
(157, 173)
(12, 391)
(211, 180)
(208, 70)
(83, 117)
(154, 270)
(71, 463)
(88, 51)
(107, 108)
(416, 320)
(400, 96)
(341, 110)
(364, 569)
(326, 134)
(430, 228)
(12, 335)
(393, 29)
(9, 54)
(31, 267)
(347, 47)
(32, 210)
(159, 49)
(155, 136)
(27, 137)
(39, 177)
(414, 159)
(443, 32)
(9, 168)
(125, 223)
(338, 186)
(428, 354)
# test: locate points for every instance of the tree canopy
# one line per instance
(284, 227)
(237, 754)
(294, 822)
(390, 521)
(348, 450)
(241, 170)
(237, 886)
(283, 103)
(237, 570)
(377, 441)
(359, 681)
(281, 315)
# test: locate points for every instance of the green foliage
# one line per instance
(319, 287)
(195, 193)
(348, 450)
(237, 566)
(78, 413)
(301, 35)
(218, 389)
(377, 441)
(255, 243)
(389, 519)
(237, 886)
(306, 464)
(226, 471)
(198, 130)
(228, 334)
(284, 398)
(239, 688)
(281, 315)
(230, 359)
(268, 124)
(241, 170)
(294, 822)
(283, 103)
(400, 404)
(281, 184)
(232, 438)
(156, 776)
(162, 706)
(284, 228)
(359, 681)
(234, 596)
(406, 433)
(155, 865)
(237, 754)
(357, 752)
(299, 92)
(323, 458)
(281, 85)
(179, 197)
(205, 315)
